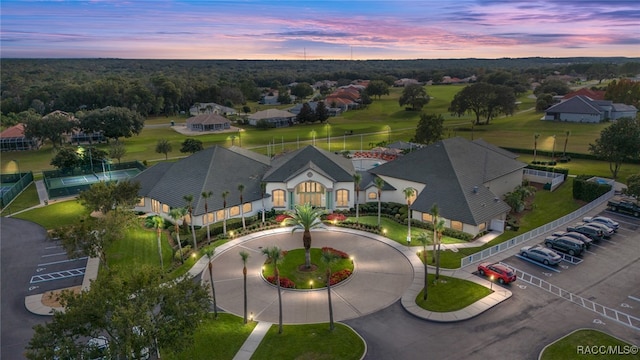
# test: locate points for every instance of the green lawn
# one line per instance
(450, 294)
(587, 344)
(216, 339)
(290, 268)
(398, 232)
(313, 341)
(28, 198)
(54, 215)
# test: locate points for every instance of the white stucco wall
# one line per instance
(398, 195)
(505, 184)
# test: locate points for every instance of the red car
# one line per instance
(497, 271)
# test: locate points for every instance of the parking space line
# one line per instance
(63, 261)
(58, 275)
(56, 254)
(536, 263)
(590, 252)
(633, 298)
(53, 247)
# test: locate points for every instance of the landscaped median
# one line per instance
(588, 344)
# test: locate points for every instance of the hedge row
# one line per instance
(586, 190)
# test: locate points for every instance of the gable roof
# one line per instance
(454, 172)
(592, 94)
(333, 166)
(367, 180)
(212, 169)
(207, 119)
(577, 105)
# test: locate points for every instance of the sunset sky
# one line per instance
(319, 29)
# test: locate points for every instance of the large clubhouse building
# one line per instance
(467, 179)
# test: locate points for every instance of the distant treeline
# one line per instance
(168, 87)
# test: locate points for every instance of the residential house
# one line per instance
(13, 139)
(208, 122)
(211, 108)
(275, 117)
(586, 110)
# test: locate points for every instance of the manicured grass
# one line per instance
(547, 207)
(216, 339)
(28, 198)
(589, 167)
(587, 344)
(398, 232)
(313, 341)
(290, 268)
(139, 248)
(55, 215)
(450, 294)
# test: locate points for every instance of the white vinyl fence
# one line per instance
(578, 214)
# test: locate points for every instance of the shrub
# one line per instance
(339, 253)
(281, 217)
(336, 217)
(284, 282)
(338, 276)
(181, 255)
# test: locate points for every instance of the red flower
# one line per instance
(282, 217)
(336, 217)
(284, 282)
(339, 253)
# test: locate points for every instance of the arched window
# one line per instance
(310, 192)
(342, 198)
(372, 195)
(278, 198)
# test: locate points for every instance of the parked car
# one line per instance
(98, 348)
(594, 234)
(541, 254)
(604, 220)
(504, 274)
(565, 244)
(606, 231)
(587, 241)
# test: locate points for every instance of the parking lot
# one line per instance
(54, 270)
(604, 279)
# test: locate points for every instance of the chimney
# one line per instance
(475, 189)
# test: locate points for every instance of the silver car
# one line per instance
(603, 220)
(541, 254)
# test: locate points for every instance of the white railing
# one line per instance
(578, 214)
(544, 177)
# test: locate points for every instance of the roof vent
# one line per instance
(496, 199)
(475, 189)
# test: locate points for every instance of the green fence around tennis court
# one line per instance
(11, 185)
(61, 183)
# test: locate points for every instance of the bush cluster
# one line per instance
(338, 276)
(284, 282)
(341, 254)
(586, 190)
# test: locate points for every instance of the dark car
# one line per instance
(541, 254)
(587, 241)
(604, 220)
(606, 231)
(565, 244)
(497, 271)
(589, 231)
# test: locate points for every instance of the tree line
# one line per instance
(168, 87)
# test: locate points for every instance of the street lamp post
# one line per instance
(388, 128)
(553, 150)
(329, 135)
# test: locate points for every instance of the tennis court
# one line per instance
(59, 186)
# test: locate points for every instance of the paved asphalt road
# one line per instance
(26, 252)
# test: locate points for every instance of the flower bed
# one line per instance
(339, 253)
(284, 282)
(282, 217)
(339, 276)
(336, 217)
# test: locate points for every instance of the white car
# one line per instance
(604, 220)
(98, 348)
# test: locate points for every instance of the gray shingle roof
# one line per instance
(336, 167)
(368, 180)
(576, 105)
(213, 169)
(451, 169)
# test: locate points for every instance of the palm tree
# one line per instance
(189, 199)
(329, 257)
(178, 214)
(435, 213)
(408, 194)
(241, 189)
(224, 211)
(439, 227)
(305, 217)
(566, 140)
(263, 191)
(209, 253)
(205, 195)
(379, 185)
(535, 145)
(356, 182)
(424, 239)
(158, 224)
(244, 255)
(274, 254)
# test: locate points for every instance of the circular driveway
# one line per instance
(381, 275)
